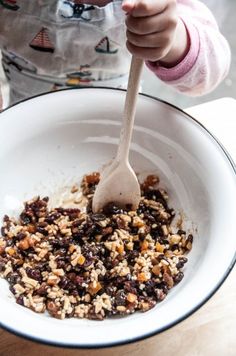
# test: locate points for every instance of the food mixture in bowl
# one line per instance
(74, 263)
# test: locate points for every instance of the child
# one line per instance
(52, 44)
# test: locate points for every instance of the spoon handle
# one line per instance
(129, 109)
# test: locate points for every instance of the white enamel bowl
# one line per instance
(53, 139)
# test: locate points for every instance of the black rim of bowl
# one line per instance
(178, 320)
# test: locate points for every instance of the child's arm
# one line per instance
(180, 42)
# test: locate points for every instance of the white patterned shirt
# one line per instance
(52, 44)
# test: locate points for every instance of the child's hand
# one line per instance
(154, 31)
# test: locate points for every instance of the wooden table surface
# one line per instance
(211, 331)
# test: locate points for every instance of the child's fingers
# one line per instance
(151, 24)
(154, 40)
(151, 27)
(142, 8)
(150, 54)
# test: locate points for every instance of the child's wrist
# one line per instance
(180, 48)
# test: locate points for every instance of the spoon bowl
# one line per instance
(119, 183)
(120, 186)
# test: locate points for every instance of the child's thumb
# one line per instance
(128, 5)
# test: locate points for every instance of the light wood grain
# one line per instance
(211, 331)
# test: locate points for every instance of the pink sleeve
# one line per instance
(207, 62)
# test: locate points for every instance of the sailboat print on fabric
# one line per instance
(10, 4)
(41, 42)
(106, 46)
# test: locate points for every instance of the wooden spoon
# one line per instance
(119, 184)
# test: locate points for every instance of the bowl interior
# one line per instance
(52, 140)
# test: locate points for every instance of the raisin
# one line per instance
(13, 278)
(79, 280)
(149, 287)
(25, 218)
(20, 300)
(42, 291)
(178, 277)
(130, 287)
(34, 273)
(120, 297)
(111, 209)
